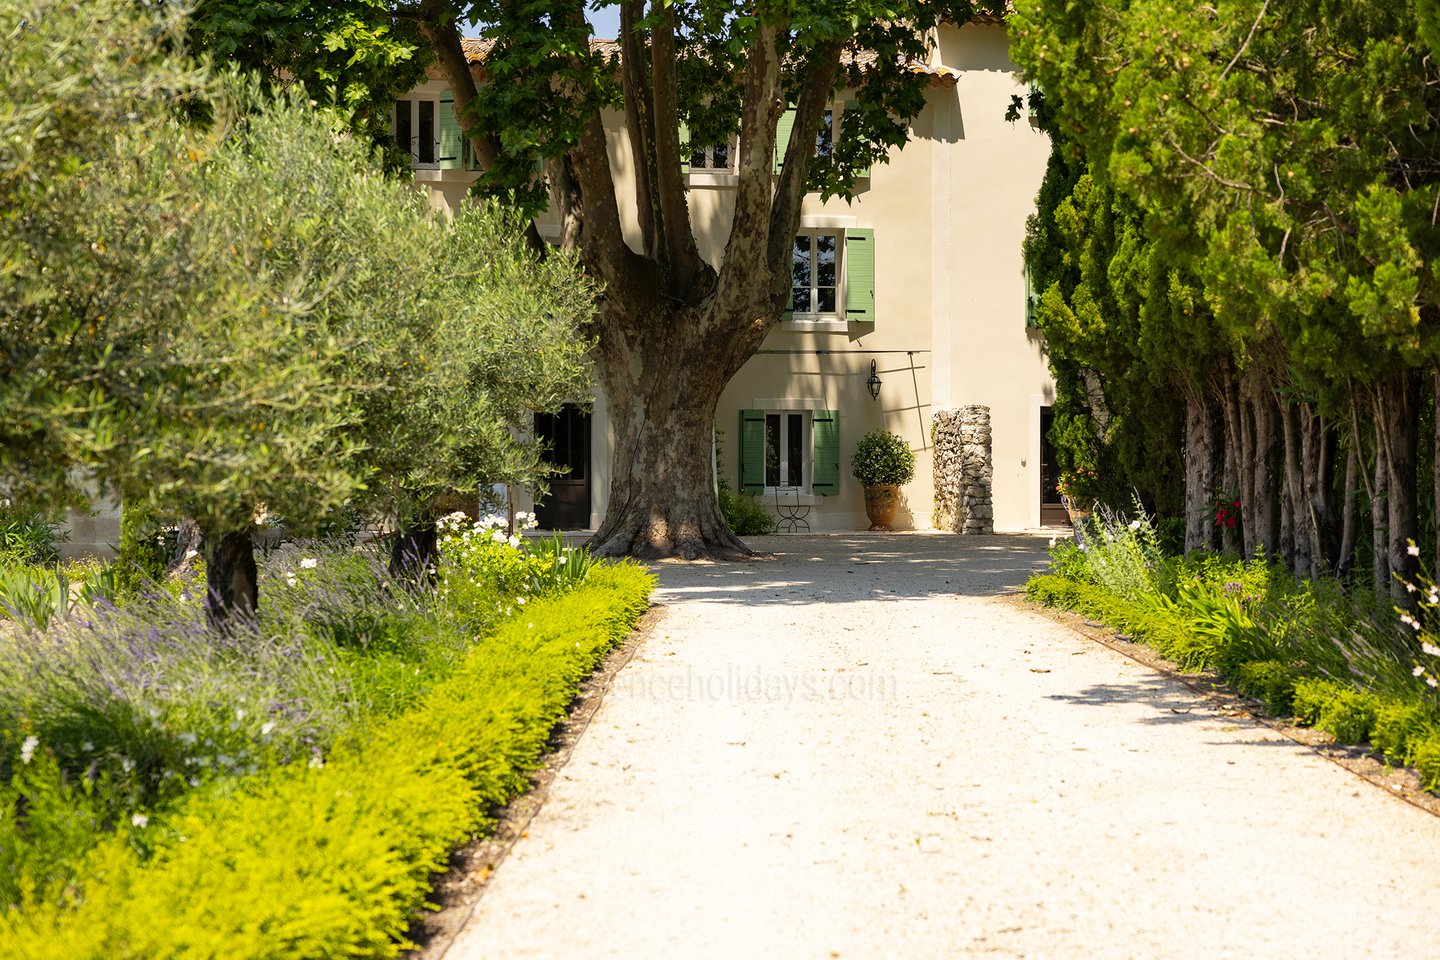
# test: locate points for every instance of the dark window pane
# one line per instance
(772, 449)
(402, 127)
(697, 159)
(825, 261)
(426, 153)
(824, 299)
(794, 435)
(800, 263)
(722, 156)
(825, 137)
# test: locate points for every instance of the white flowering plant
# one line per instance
(488, 571)
(1421, 621)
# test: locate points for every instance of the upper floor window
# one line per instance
(415, 129)
(815, 274)
(720, 157)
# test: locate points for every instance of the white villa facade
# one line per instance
(921, 275)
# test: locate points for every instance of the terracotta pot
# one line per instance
(881, 502)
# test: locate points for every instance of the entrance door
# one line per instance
(1052, 511)
(566, 436)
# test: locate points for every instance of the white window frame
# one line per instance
(708, 153)
(807, 449)
(414, 100)
(815, 316)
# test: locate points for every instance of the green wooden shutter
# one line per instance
(826, 471)
(752, 451)
(782, 136)
(860, 275)
(450, 135)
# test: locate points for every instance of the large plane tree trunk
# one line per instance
(662, 492)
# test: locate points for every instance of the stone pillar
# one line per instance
(964, 474)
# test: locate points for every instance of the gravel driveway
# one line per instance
(858, 750)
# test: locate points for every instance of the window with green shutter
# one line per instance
(860, 275)
(782, 136)
(450, 157)
(826, 468)
(752, 451)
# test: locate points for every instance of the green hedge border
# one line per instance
(336, 861)
(1404, 732)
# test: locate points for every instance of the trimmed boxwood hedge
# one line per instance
(336, 861)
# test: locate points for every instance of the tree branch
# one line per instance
(819, 81)
(639, 121)
(677, 237)
(437, 21)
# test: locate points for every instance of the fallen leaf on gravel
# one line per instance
(1038, 670)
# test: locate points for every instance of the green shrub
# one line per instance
(27, 537)
(1343, 712)
(144, 551)
(1270, 681)
(745, 515)
(882, 457)
(1426, 757)
(336, 860)
(1401, 727)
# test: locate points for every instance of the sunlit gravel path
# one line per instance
(859, 750)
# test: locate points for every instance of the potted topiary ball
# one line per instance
(882, 462)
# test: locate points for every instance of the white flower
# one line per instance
(139, 820)
(1134, 524)
(514, 543)
(316, 762)
(1413, 550)
(187, 738)
(1434, 597)
(1430, 682)
(1418, 671)
(520, 600)
(292, 581)
(27, 749)
(1410, 587)
(239, 714)
(127, 764)
(1431, 649)
(309, 563)
(1052, 541)
(498, 536)
(87, 746)
(191, 554)
(1406, 619)
(266, 727)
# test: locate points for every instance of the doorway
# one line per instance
(1052, 510)
(566, 439)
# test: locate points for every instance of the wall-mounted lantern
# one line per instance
(873, 383)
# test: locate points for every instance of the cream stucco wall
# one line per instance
(949, 215)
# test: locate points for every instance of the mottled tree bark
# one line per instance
(1204, 454)
(1261, 509)
(1398, 429)
(1232, 538)
(1350, 517)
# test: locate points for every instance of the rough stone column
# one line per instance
(963, 471)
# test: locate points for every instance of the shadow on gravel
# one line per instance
(1159, 693)
(848, 569)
